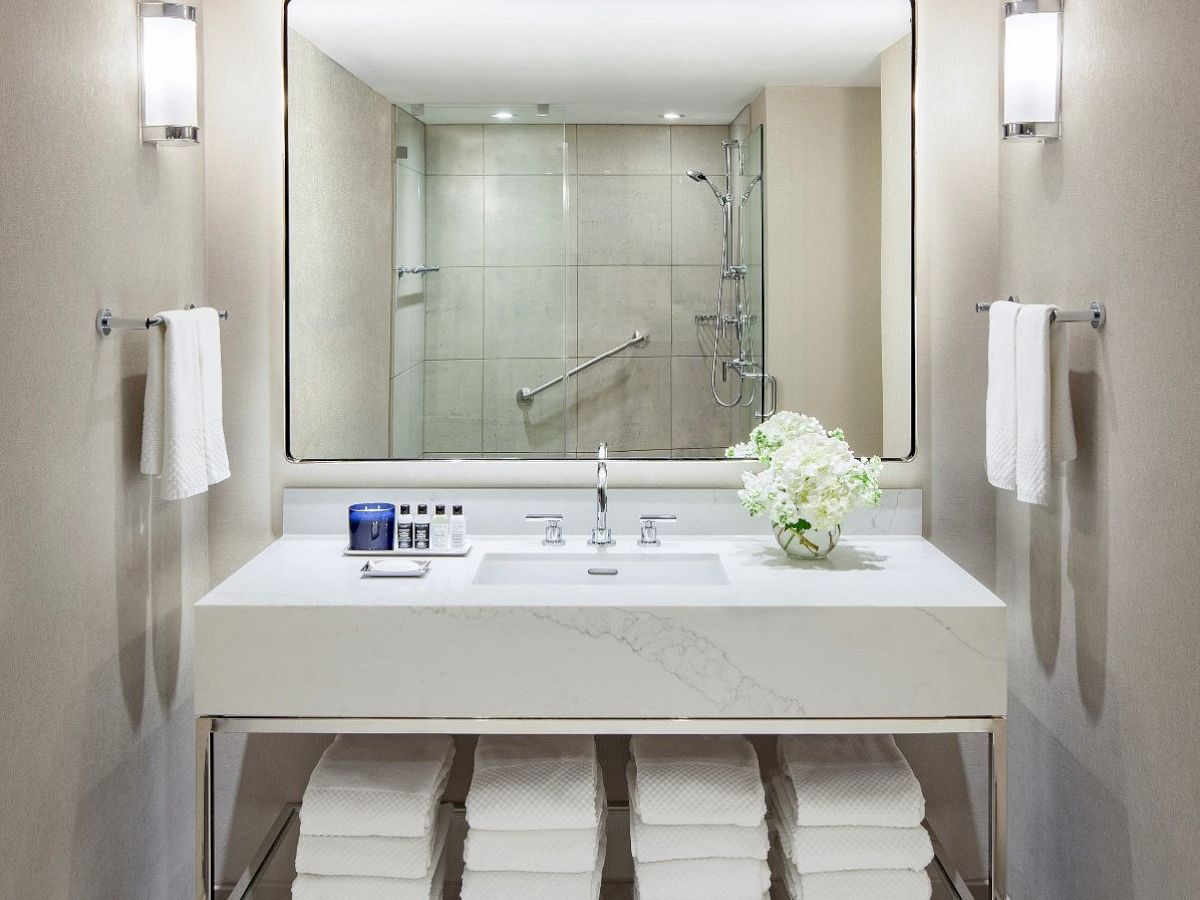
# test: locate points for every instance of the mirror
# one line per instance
(518, 229)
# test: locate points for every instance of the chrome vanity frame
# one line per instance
(208, 727)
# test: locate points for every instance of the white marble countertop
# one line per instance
(888, 626)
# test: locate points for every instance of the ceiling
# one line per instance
(602, 60)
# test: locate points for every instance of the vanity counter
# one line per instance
(887, 627)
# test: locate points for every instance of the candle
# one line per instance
(372, 526)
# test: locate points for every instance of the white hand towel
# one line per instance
(698, 780)
(840, 848)
(1001, 407)
(703, 879)
(381, 857)
(875, 884)
(365, 887)
(1045, 429)
(534, 783)
(183, 438)
(556, 850)
(659, 843)
(386, 785)
(851, 780)
(536, 885)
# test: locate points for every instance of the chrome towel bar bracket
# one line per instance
(107, 322)
(1096, 313)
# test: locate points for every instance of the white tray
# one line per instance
(452, 551)
(377, 568)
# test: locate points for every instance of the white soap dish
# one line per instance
(395, 568)
(450, 551)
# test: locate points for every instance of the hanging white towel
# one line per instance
(840, 848)
(536, 885)
(387, 785)
(1002, 395)
(374, 855)
(1045, 429)
(533, 783)
(703, 879)
(366, 887)
(852, 779)
(659, 843)
(183, 437)
(553, 850)
(698, 780)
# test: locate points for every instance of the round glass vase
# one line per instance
(809, 543)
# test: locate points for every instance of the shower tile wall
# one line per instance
(409, 315)
(639, 249)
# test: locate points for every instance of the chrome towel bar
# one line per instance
(107, 321)
(525, 395)
(1096, 313)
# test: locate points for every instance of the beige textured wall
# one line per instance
(340, 174)
(1102, 587)
(97, 576)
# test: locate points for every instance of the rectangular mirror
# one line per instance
(519, 229)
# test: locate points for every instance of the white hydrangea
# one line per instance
(811, 479)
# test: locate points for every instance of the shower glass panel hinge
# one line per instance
(401, 153)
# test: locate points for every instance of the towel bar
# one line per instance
(107, 321)
(1096, 313)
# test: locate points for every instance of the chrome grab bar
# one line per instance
(525, 395)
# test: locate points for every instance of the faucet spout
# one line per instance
(602, 534)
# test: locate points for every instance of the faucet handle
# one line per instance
(649, 535)
(554, 528)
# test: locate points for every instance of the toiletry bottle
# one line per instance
(439, 532)
(421, 528)
(458, 528)
(404, 528)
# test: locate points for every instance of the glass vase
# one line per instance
(807, 544)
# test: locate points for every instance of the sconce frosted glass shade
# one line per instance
(1032, 70)
(169, 73)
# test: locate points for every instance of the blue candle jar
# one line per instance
(372, 526)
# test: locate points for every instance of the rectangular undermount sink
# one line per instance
(601, 568)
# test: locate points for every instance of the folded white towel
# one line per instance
(697, 780)
(840, 848)
(534, 783)
(659, 843)
(536, 885)
(1001, 409)
(556, 850)
(703, 879)
(368, 784)
(851, 780)
(381, 857)
(1045, 428)
(875, 884)
(365, 887)
(183, 438)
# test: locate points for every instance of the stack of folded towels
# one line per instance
(536, 813)
(371, 823)
(847, 812)
(697, 819)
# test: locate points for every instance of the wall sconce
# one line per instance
(1033, 70)
(169, 73)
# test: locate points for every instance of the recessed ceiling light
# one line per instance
(672, 116)
(504, 114)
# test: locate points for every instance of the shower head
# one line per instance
(701, 177)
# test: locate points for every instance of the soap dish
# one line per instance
(395, 568)
(422, 554)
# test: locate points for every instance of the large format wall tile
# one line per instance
(454, 220)
(409, 217)
(694, 293)
(624, 149)
(454, 313)
(523, 149)
(525, 311)
(454, 150)
(408, 413)
(625, 401)
(696, 232)
(524, 220)
(508, 427)
(700, 147)
(697, 421)
(454, 406)
(408, 324)
(615, 301)
(624, 220)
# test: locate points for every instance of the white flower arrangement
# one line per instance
(811, 479)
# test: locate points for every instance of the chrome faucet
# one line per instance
(602, 534)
